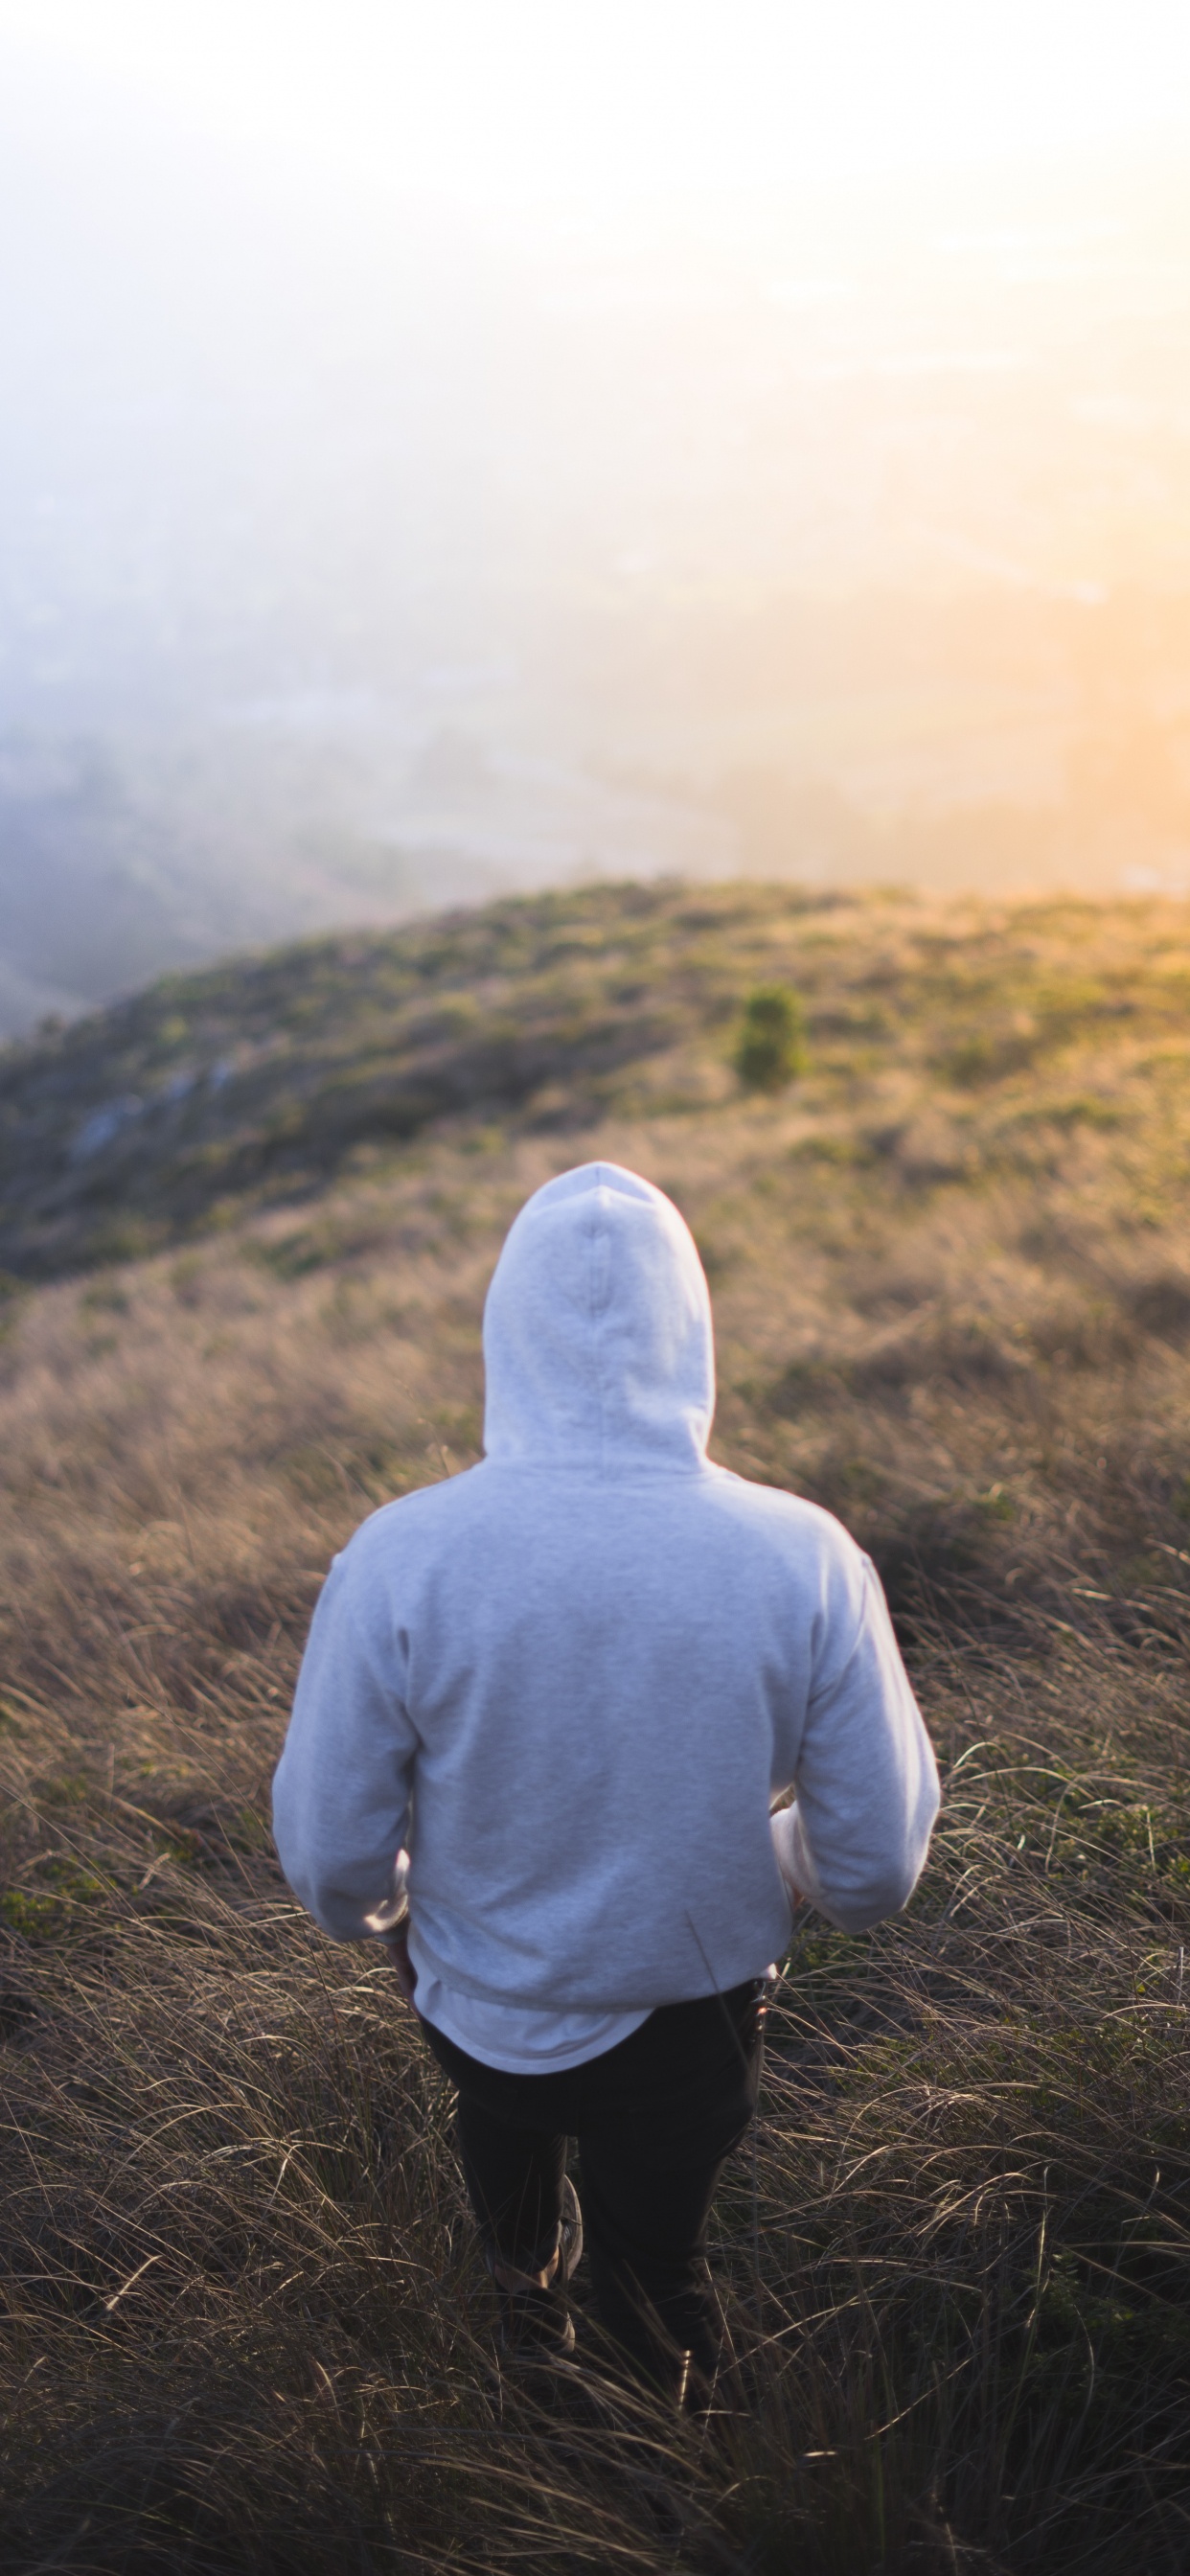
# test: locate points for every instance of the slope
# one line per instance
(951, 1274)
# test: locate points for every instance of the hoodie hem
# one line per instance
(561, 1998)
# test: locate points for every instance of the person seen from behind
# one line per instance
(544, 1714)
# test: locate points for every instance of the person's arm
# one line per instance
(855, 1840)
(342, 1788)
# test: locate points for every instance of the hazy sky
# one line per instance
(504, 100)
(324, 321)
(499, 399)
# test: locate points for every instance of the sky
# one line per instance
(502, 103)
(308, 304)
(430, 421)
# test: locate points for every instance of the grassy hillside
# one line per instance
(246, 1222)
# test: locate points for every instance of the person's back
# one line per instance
(573, 1680)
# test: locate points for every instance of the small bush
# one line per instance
(771, 1047)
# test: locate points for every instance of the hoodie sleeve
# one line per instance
(856, 1838)
(342, 1788)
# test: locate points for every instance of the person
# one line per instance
(545, 1710)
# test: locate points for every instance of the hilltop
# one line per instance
(246, 1223)
(938, 1258)
(260, 1081)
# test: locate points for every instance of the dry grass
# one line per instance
(244, 2331)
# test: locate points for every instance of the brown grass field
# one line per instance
(245, 2333)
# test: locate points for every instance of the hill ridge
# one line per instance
(258, 1080)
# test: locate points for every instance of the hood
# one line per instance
(597, 1330)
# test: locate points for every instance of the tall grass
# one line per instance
(246, 2329)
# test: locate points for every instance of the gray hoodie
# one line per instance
(573, 1680)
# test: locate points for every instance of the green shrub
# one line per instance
(771, 1046)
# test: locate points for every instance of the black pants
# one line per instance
(655, 2118)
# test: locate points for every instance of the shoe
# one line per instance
(535, 2325)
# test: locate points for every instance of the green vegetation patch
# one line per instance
(771, 1047)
